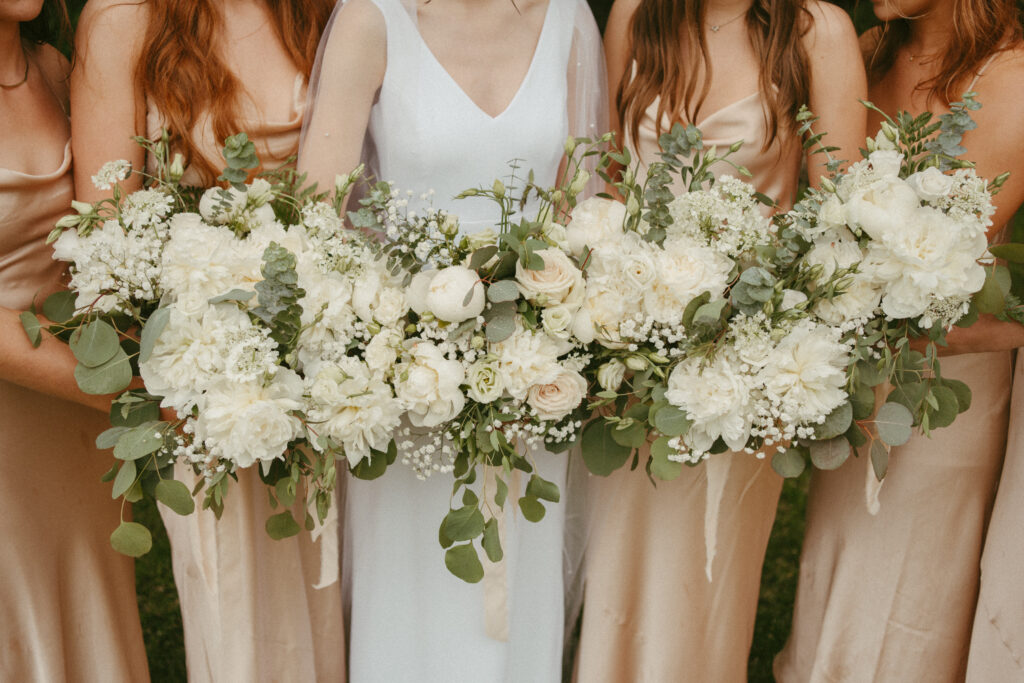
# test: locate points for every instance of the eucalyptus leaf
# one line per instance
(661, 467)
(990, 299)
(601, 453)
(862, 400)
(175, 495)
(869, 373)
(463, 562)
(503, 290)
(59, 307)
(789, 463)
(894, 422)
(491, 541)
(140, 441)
(542, 489)
(710, 313)
(962, 391)
(113, 376)
(94, 344)
(282, 525)
(124, 479)
(879, 459)
(463, 524)
(533, 509)
(837, 422)
(239, 295)
(131, 539)
(829, 455)
(948, 407)
(151, 332)
(33, 329)
(284, 489)
(108, 438)
(672, 421)
(501, 492)
(1013, 252)
(632, 436)
(482, 256)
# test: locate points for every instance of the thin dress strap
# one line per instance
(984, 66)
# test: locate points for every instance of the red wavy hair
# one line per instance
(185, 79)
(668, 41)
(981, 28)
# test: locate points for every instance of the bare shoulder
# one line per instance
(826, 26)
(362, 16)
(1005, 73)
(112, 15)
(621, 14)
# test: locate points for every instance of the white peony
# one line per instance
(448, 292)
(806, 373)
(428, 384)
(882, 208)
(685, 270)
(595, 221)
(555, 400)
(716, 397)
(416, 292)
(553, 284)
(251, 422)
(527, 358)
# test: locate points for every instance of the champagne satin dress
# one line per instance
(651, 614)
(249, 606)
(67, 599)
(890, 595)
(997, 639)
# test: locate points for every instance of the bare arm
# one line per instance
(108, 108)
(351, 73)
(838, 81)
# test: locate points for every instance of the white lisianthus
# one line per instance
(352, 407)
(428, 384)
(716, 397)
(448, 292)
(605, 308)
(806, 373)
(595, 221)
(552, 284)
(557, 321)
(251, 422)
(931, 184)
(484, 382)
(611, 374)
(555, 400)
(791, 298)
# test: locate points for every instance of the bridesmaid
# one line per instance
(891, 596)
(67, 599)
(673, 571)
(206, 69)
(446, 93)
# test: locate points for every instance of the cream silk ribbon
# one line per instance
(330, 558)
(495, 581)
(717, 470)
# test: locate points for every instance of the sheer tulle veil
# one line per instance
(587, 112)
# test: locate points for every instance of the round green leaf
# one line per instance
(94, 344)
(175, 495)
(140, 441)
(661, 467)
(962, 391)
(836, 423)
(632, 436)
(829, 455)
(132, 539)
(671, 421)
(948, 408)
(463, 562)
(109, 438)
(601, 454)
(500, 328)
(543, 489)
(463, 524)
(789, 463)
(869, 373)
(533, 509)
(893, 422)
(30, 323)
(862, 399)
(282, 525)
(503, 290)
(991, 298)
(151, 332)
(113, 376)
(1012, 252)
(492, 541)
(59, 307)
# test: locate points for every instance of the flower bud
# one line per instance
(827, 185)
(177, 168)
(579, 182)
(477, 342)
(83, 208)
(632, 206)
(658, 358)
(449, 226)
(69, 221)
(498, 188)
(891, 133)
(610, 375)
(636, 363)
(570, 146)
(373, 328)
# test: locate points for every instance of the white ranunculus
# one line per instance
(557, 321)
(416, 292)
(716, 398)
(448, 291)
(382, 351)
(251, 422)
(428, 384)
(611, 374)
(931, 184)
(555, 400)
(595, 221)
(484, 382)
(527, 358)
(806, 372)
(886, 162)
(883, 208)
(353, 407)
(552, 284)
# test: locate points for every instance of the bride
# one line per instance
(445, 94)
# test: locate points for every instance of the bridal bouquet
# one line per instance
(269, 331)
(490, 369)
(705, 337)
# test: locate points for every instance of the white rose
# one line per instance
(67, 246)
(484, 382)
(249, 423)
(931, 184)
(428, 385)
(555, 400)
(553, 283)
(594, 221)
(611, 374)
(391, 305)
(886, 162)
(883, 208)
(557, 321)
(447, 294)
(416, 292)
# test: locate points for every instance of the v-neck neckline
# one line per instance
(727, 107)
(522, 84)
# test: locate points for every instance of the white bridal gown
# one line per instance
(410, 619)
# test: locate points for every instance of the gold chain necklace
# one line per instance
(715, 28)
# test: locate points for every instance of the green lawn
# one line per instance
(161, 620)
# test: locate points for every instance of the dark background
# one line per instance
(158, 600)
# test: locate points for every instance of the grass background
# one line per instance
(158, 600)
